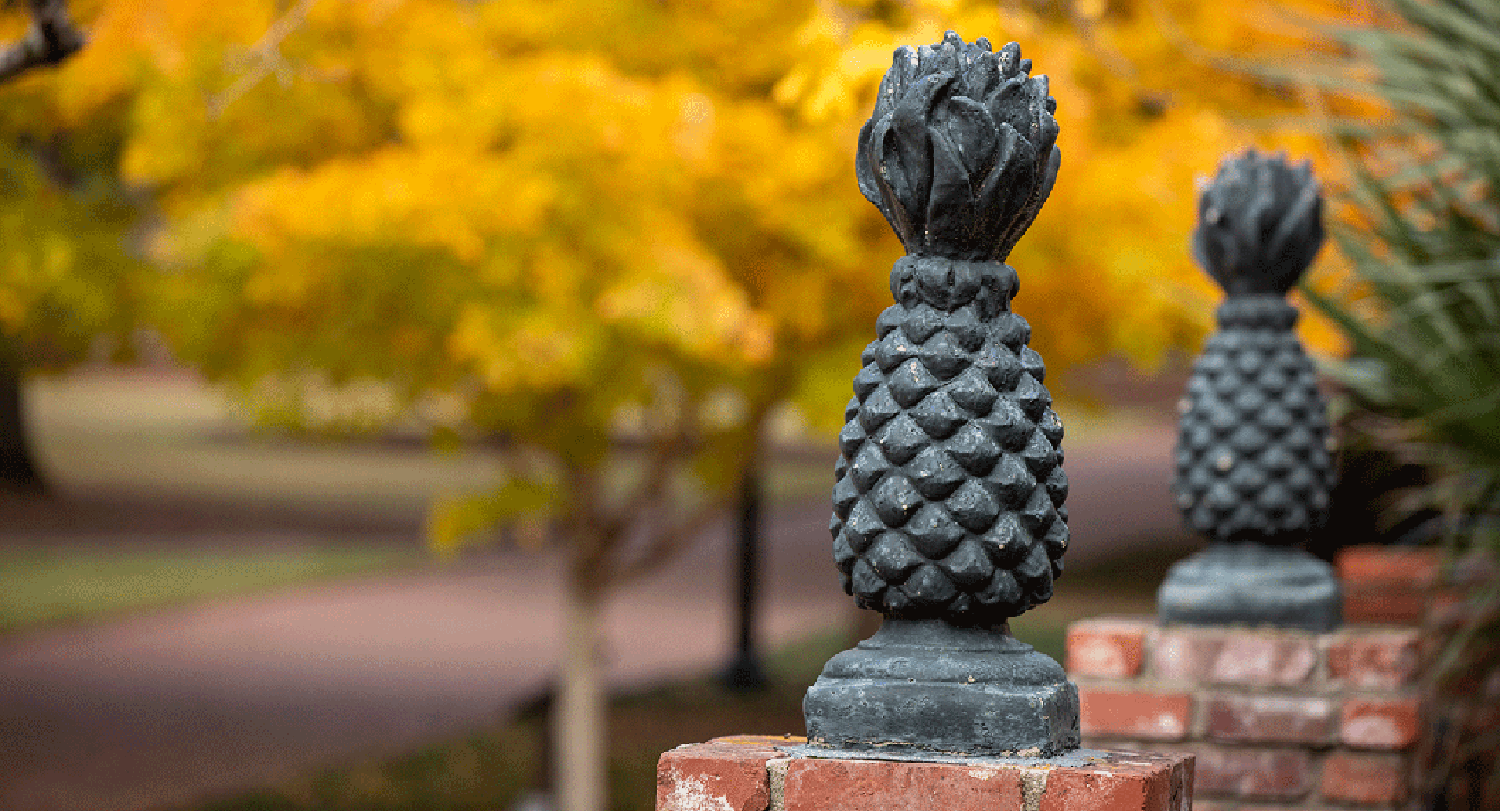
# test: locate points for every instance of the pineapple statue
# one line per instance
(1253, 466)
(948, 513)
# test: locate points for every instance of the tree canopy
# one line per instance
(504, 201)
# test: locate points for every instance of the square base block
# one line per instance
(759, 773)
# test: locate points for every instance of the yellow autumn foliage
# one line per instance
(537, 207)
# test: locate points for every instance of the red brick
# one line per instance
(1269, 718)
(1116, 781)
(727, 774)
(1143, 714)
(1381, 723)
(1266, 659)
(883, 785)
(1380, 660)
(1183, 771)
(1106, 648)
(1447, 610)
(1384, 584)
(1365, 779)
(1384, 604)
(1414, 567)
(1117, 743)
(1185, 654)
(1281, 774)
(1123, 782)
(1234, 656)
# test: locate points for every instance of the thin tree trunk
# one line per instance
(579, 719)
(18, 469)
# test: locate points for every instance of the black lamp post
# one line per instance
(745, 670)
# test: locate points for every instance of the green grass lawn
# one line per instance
(46, 585)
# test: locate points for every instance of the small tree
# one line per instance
(593, 254)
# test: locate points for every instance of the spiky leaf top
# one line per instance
(961, 151)
(1260, 223)
(950, 489)
(1252, 459)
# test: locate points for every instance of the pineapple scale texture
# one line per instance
(950, 488)
(1252, 459)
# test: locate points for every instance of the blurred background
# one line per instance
(431, 403)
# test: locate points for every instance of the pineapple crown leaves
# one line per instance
(961, 150)
(1260, 223)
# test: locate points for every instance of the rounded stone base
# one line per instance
(1252, 584)
(924, 686)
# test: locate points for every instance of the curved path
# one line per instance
(161, 708)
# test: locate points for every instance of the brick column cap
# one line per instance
(760, 773)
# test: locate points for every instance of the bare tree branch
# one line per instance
(263, 59)
(666, 451)
(666, 543)
(51, 38)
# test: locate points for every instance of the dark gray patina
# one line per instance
(1253, 465)
(948, 508)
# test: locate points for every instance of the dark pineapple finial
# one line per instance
(1253, 466)
(1252, 458)
(948, 512)
(950, 481)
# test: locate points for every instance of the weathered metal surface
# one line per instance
(1252, 584)
(927, 686)
(1253, 459)
(948, 513)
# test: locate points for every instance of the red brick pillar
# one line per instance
(1277, 718)
(1411, 587)
(754, 773)
(1284, 719)
(1388, 585)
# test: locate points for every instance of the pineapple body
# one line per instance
(950, 489)
(1252, 457)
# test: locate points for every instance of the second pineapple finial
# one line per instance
(1253, 466)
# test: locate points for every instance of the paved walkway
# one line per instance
(161, 708)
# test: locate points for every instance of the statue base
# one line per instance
(1251, 584)
(926, 687)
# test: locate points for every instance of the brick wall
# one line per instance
(1278, 719)
(1410, 587)
(1288, 719)
(1390, 584)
